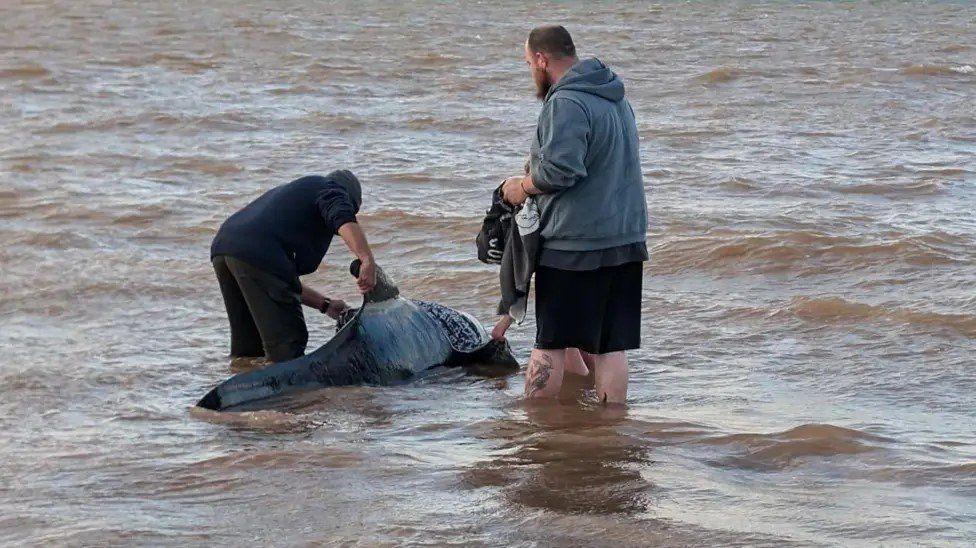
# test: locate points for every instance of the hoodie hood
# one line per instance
(350, 183)
(593, 77)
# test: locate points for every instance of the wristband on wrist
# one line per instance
(326, 303)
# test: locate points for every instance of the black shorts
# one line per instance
(597, 311)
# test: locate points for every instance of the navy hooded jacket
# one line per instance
(288, 229)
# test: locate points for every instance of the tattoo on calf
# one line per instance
(538, 374)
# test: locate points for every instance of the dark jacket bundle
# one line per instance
(495, 229)
(519, 253)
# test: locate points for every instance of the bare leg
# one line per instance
(588, 359)
(576, 363)
(611, 377)
(544, 376)
(581, 365)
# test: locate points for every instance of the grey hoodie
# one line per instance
(586, 160)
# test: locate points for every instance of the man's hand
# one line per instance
(336, 308)
(513, 191)
(367, 275)
(498, 332)
(355, 240)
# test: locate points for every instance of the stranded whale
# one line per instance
(388, 340)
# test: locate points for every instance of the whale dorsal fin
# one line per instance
(384, 290)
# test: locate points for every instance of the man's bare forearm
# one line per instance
(312, 298)
(355, 239)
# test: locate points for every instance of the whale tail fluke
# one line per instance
(210, 401)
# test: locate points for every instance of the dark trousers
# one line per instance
(265, 312)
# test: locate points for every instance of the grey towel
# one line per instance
(520, 259)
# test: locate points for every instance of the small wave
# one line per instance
(298, 89)
(772, 39)
(922, 188)
(141, 215)
(269, 420)
(433, 59)
(404, 220)
(839, 310)
(938, 70)
(191, 486)
(954, 48)
(320, 71)
(782, 450)
(400, 177)
(13, 194)
(474, 123)
(954, 476)
(76, 127)
(246, 24)
(950, 172)
(784, 249)
(334, 121)
(689, 135)
(182, 63)
(153, 119)
(317, 456)
(207, 166)
(224, 121)
(447, 287)
(740, 184)
(719, 76)
(243, 364)
(106, 124)
(968, 469)
(62, 239)
(25, 71)
(56, 210)
(819, 133)
(168, 32)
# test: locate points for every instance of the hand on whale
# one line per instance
(386, 341)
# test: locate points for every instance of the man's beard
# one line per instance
(542, 84)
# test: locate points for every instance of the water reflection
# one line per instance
(567, 457)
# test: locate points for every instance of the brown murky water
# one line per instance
(808, 371)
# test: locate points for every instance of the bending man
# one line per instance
(260, 251)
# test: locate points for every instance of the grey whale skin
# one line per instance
(386, 341)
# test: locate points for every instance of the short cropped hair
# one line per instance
(553, 40)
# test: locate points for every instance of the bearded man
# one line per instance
(585, 171)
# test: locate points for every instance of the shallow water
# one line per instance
(807, 375)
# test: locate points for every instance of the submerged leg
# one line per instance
(276, 308)
(577, 361)
(610, 372)
(544, 375)
(245, 341)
